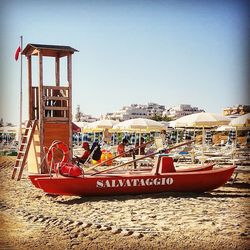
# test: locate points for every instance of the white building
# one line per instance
(181, 110)
(128, 112)
(151, 110)
(154, 109)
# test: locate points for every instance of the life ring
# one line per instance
(58, 152)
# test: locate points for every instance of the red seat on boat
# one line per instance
(167, 165)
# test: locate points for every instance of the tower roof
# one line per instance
(48, 50)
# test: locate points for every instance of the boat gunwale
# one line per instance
(127, 175)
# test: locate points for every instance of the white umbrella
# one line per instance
(223, 128)
(203, 120)
(99, 126)
(139, 125)
(241, 122)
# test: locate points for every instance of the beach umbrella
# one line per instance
(223, 128)
(100, 125)
(240, 123)
(139, 125)
(202, 120)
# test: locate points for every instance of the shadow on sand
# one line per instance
(207, 195)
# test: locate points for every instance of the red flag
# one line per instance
(17, 53)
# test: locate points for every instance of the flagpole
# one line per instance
(21, 90)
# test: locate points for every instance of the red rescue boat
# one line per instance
(33, 177)
(162, 178)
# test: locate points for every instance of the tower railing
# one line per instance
(56, 102)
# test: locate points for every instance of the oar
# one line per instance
(146, 156)
(120, 155)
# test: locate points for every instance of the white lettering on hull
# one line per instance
(134, 182)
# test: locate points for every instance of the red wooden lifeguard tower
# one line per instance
(50, 109)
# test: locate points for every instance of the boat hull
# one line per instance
(110, 184)
(33, 177)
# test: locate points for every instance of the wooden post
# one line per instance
(57, 70)
(69, 68)
(31, 101)
(41, 109)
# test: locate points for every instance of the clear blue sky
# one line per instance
(168, 52)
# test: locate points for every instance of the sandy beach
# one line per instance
(30, 219)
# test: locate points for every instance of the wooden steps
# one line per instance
(24, 149)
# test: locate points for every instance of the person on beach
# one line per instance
(85, 154)
(106, 136)
(121, 147)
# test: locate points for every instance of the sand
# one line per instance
(31, 219)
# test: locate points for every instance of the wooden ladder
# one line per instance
(24, 149)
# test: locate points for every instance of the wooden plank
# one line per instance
(56, 119)
(36, 103)
(56, 131)
(55, 108)
(56, 87)
(59, 98)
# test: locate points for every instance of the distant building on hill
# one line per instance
(128, 112)
(154, 109)
(236, 110)
(151, 110)
(181, 110)
(136, 111)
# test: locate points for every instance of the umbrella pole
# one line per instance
(139, 143)
(235, 143)
(203, 144)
